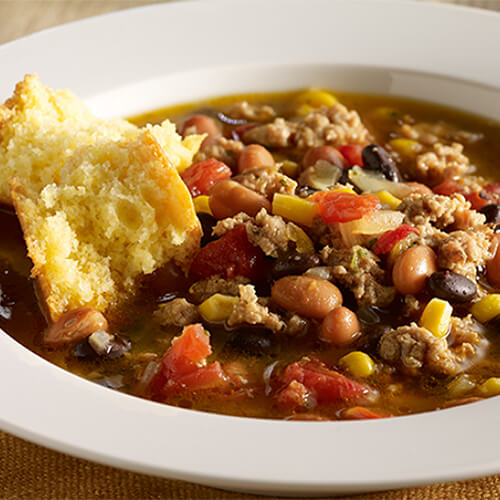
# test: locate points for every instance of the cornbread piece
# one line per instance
(119, 211)
(40, 128)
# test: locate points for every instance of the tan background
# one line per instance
(32, 472)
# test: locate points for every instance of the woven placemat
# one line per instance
(29, 471)
(33, 472)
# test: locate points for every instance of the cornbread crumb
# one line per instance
(120, 210)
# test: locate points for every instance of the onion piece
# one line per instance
(267, 377)
(372, 182)
(371, 224)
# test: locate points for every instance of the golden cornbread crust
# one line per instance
(120, 210)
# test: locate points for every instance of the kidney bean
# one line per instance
(492, 213)
(327, 153)
(310, 297)
(412, 268)
(340, 327)
(451, 286)
(493, 265)
(254, 156)
(251, 342)
(377, 158)
(227, 198)
(74, 325)
(293, 263)
(201, 124)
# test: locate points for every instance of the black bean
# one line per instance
(305, 191)
(82, 350)
(451, 286)
(251, 342)
(492, 213)
(293, 263)
(344, 177)
(377, 158)
(119, 347)
(368, 315)
(207, 222)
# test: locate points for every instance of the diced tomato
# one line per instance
(231, 255)
(341, 206)
(328, 386)
(352, 153)
(184, 367)
(361, 413)
(201, 176)
(388, 239)
(478, 200)
(448, 187)
(296, 395)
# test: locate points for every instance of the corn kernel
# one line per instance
(343, 190)
(405, 147)
(437, 317)
(486, 308)
(201, 205)
(290, 168)
(294, 208)
(389, 199)
(303, 243)
(358, 364)
(315, 98)
(491, 387)
(218, 307)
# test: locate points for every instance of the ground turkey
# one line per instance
(222, 149)
(253, 112)
(177, 312)
(269, 232)
(248, 310)
(415, 350)
(357, 269)
(266, 181)
(464, 251)
(441, 163)
(336, 125)
(443, 211)
(203, 289)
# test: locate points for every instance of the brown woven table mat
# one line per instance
(29, 471)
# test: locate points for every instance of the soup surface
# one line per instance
(348, 268)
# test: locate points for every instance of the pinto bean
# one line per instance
(310, 297)
(328, 153)
(412, 268)
(254, 156)
(340, 327)
(74, 325)
(201, 124)
(228, 198)
(417, 187)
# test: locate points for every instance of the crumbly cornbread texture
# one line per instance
(40, 128)
(119, 210)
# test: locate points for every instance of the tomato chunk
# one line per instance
(201, 176)
(327, 386)
(352, 154)
(388, 239)
(448, 187)
(342, 206)
(490, 193)
(361, 413)
(231, 255)
(184, 368)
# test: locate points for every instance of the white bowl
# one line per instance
(145, 58)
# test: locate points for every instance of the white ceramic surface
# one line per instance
(137, 60)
